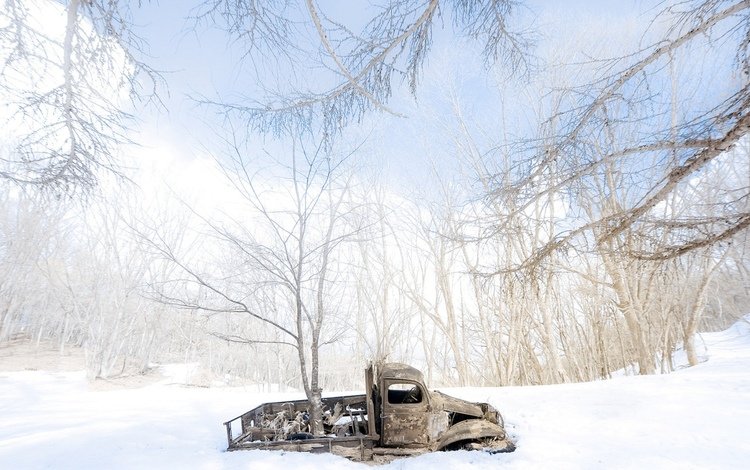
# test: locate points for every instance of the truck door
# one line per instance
(405, 411)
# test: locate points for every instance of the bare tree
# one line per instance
(657, 135)
(68, 86)
(364, 65)
(30, 232)
(277, 263)
(383, 313)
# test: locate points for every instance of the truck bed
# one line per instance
(280, 425)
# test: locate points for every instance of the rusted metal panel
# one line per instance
(404, 429)
(371, 393)
(437, 423)
(469, 430)
(400, 371)
(449, 403)
(355, 448)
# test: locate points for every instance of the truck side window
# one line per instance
(404, 393)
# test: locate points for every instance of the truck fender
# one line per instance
(470, 430)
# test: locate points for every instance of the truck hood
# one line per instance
(456, 405)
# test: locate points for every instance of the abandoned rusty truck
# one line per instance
(396, 417)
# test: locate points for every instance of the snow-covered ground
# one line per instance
(694, 418)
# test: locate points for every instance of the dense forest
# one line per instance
(596, 230)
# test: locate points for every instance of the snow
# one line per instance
(696, 417)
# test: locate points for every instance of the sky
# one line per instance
(200, 61)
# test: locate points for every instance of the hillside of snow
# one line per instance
(696, 417)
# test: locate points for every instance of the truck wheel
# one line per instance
(491, 445)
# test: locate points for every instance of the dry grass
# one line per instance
(24, 354)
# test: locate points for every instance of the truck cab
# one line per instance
(411, 416)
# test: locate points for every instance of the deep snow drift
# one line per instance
(694, 418)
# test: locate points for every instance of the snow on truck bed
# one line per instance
(696, 417)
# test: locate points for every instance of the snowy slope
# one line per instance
(694, 418)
